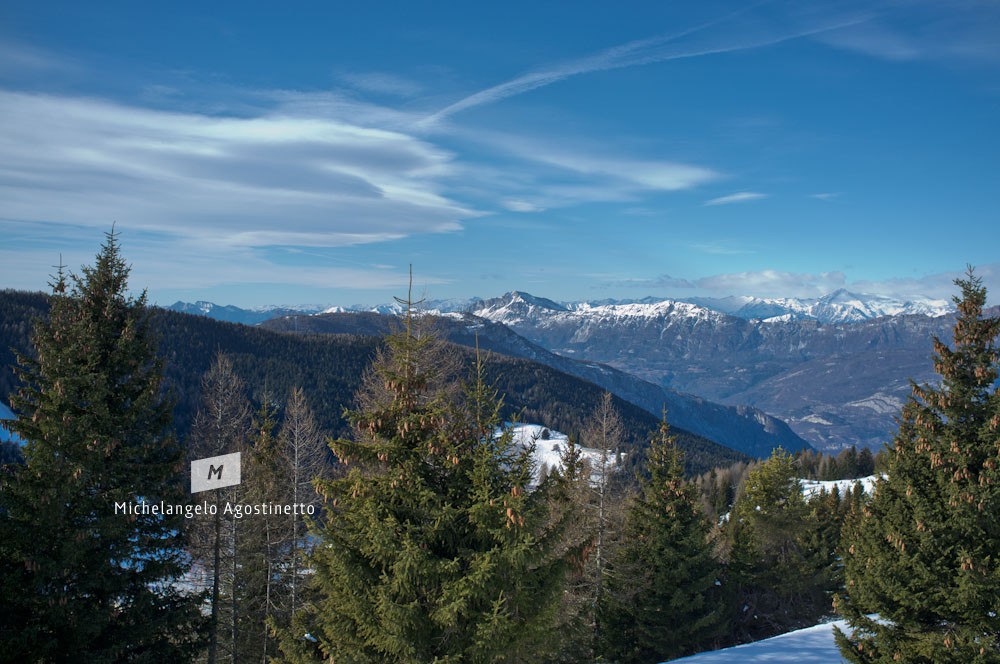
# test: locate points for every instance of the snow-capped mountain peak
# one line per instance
(518, 306)
(840, 306)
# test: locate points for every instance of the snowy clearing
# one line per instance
(547, 452)
(812, 488)
(812, 645)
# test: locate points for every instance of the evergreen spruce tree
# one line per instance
(433, 548)
(661, 586)
(781, 581)
(92, 581)
(265, 541)
(571, 495)
(924, 552)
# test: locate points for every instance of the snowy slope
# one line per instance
(547, 452)
(812, 488)
(813, 645)
(517, 307)
(840, 306)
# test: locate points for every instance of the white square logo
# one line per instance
(215, 472)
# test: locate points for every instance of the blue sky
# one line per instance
(254, 155)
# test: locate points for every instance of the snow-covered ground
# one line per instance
(812, 645)
(547, 452)
(812, 488)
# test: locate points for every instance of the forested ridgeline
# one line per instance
(329, 369)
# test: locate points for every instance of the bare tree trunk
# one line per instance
(267, 590)
(234, 595)
(213, 644)
(604, 432)
(305, 455)
(221, 427)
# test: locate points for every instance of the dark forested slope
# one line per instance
(329, 368)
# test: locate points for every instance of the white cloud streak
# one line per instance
(738, 197)
(925, 29)
(382, 83)
(773, 283)
(277, 178)
(660, 48)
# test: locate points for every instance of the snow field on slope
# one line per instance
(547, 452)
(812, 645)
(812, 488)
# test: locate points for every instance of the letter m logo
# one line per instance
(215, 472)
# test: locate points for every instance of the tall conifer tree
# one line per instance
(661, 584)
(93, 583)
(433, 549)
(781, 580)
(924, 552)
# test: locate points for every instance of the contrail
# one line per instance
(631, 54)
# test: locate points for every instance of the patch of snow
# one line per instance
(812, 645)
(812, 488)
(879, 402)
(548, 453)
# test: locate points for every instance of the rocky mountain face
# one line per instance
(741, 427)
(835, 384)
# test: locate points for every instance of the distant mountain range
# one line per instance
(330, 369)
(835, 384)
(840, 306)
(746, 429)
(835, 368)
(231, 314)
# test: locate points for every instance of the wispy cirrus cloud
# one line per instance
(18, 59)
(924, 29)
(515, 205)
(697, 41)
(279, 177)
(738, 197)
(761, 283)
(552, 172)
(382, 83)
(722, 248)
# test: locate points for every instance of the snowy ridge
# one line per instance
(516, 307)
(841, 306)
